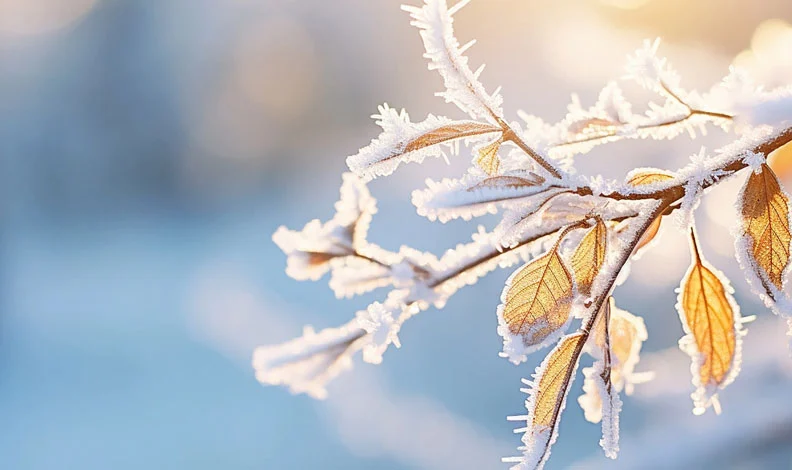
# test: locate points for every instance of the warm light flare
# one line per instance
(32, 17)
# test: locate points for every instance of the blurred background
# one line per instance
(148, 150)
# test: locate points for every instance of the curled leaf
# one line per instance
(589, 256)
(616, 343)
(625, 336)
(547, 395)
(764, 208)
(536, 304)
(642, 178)
(321, 246)
(711, 319)
(488, 159)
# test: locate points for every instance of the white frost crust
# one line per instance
(705, 395)
(381, 323)
(599, 405)
(462, 87)
(353, 276)
(649, 70)
(385, 153)
(754, 161)
(514, 346)
(311, 252)
(465, 198)
(306, 364)
(537, 441)
(557, 210)
(623, 375)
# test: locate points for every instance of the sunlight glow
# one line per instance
(32, 17)
(625, 4)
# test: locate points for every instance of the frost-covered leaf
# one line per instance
(600, 400)
(308, 363)
(403, 141)
(615, 342)
(475, 195)
(647, 177)
(382, 322)
(589, 256)
(312, 251)
(765, 228)
(592, 125)
(713, 326)
(547, 395)
(509, 181)
(452, 131)
(488, 159)
(626, 334)
(535, 305)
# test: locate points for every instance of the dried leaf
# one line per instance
(488, 158)
(453, 131)
(645, 177)
(501, 182)
(765, 219)
(589, 256)
(537, 299)
(626, 334)
(547, 397)
(712, 321)
(597, 124)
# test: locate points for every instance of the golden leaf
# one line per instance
(650, 176)
(547, 396)
(589, 256)
(453, 131)
(557, 371)
(711, 319)
(501, 182)
(538, 298)
(645, 177)
(765, 218)
(780, 160)
(488, 158)
(598, 124)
